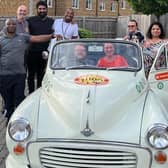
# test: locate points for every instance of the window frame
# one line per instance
(88, 4)
(75, 4)
(123, 4)
(113, 7)
(163, 52)
(102, 5)
(50, 3)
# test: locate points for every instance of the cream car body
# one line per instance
(88, 116)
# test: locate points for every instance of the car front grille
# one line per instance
(53, 157)
(80, 154)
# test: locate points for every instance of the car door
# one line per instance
(158, 75)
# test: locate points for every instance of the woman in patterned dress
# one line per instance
(155, 38)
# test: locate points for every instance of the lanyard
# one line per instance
(64, 30)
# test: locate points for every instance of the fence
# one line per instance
(104, 27)
(143, 21)
(110, 27)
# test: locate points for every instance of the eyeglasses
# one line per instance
(131, 25)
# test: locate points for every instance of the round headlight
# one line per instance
(19, 130)
(157, 136)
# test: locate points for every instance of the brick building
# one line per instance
(81, 7)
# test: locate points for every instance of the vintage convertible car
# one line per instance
(94, 110)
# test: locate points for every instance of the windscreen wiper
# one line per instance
(81, 67)
(122, 68)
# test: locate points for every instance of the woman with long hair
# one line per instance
(155, 38)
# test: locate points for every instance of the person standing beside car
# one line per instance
(155, 38)
(21, 22)
(12, 69)
(66, 28)
(133, 32)
(38, 25)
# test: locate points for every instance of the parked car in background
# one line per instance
(91, 116)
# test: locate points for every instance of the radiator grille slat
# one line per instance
(96, 161)
(53, 157)
(63, 155)
(46, 165)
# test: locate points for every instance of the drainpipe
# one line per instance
(30, 7)
(118, 8)
(55, 13)
(96, 8)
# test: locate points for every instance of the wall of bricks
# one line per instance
(9, 7)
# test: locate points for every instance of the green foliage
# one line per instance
(156, 7)
(84, 33)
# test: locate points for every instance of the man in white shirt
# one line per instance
(65, 28)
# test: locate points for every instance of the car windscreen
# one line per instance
(96, 55)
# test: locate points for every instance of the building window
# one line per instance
(88, 4)
(123, 4)
(75, 3)
(113, 6)
(102, 5)
(50, 3)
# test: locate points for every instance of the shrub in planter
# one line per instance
(84, 33)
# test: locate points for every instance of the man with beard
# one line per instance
(38, 25)
(80, 55)
(12, 70)
(66, 28)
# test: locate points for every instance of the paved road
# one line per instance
(3, 149)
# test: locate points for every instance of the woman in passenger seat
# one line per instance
(111, 59)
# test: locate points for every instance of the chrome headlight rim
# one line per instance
(157, 126)
(20, 121)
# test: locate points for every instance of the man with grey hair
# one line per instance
(21, 22)
(12, 70)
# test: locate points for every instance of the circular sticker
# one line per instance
(91, 80)
(138, 88)
(160, 85)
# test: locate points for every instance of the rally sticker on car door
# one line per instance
(91, 80)
(161, 76)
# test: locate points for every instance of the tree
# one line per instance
(156, 7)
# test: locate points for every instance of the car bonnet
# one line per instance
(109, 105)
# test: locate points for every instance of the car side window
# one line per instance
(161, 62)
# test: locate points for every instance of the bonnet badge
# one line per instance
(87, 131)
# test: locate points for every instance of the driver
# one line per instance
(80, 55)
(110, 59)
